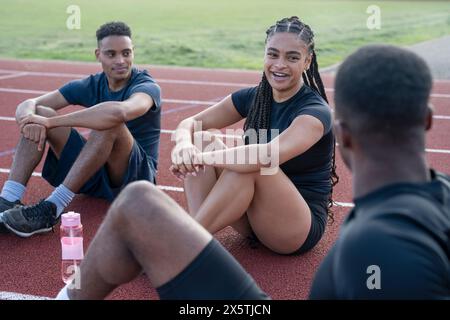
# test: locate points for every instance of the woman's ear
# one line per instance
(308, 61)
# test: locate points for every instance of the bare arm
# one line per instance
(102, 116)
(217, 116)
(54, 100)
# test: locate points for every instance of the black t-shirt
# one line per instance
(400, 234)
(94, 90)
(310, 170)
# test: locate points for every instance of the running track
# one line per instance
(30, 267)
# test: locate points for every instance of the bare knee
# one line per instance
(238, 176)
(138, 200)
(45, 112)
(109, 134)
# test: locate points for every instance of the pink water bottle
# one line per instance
(71, 232)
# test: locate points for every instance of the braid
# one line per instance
(259, 113)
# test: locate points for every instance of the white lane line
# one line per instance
(15, 75)
(4, 295)
(189, 101)
(174, 189)
(176, 81)
(175, 101)
(77, 76)
(235, 136)
(12, 90)
(437, 151)
(344, 204)
(169, 188)
(34, 174)
(439, 117)
(433, 95)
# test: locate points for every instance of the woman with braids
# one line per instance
(285, 210)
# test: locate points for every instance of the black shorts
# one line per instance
(318, 204)
(213, 275)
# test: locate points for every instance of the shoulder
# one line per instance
(142, 77)
(242, 99)
(309, 102)
(142, 81)
(244, 94)
(408, 261)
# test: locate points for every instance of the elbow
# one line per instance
(120, 115)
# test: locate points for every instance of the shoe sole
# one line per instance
(26, 235)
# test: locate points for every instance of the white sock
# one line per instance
(12, 191)
(61, 197)
(62, 295)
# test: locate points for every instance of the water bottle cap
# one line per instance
(70, 219)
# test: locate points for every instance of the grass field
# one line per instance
(211, 33)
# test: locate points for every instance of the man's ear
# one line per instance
(343, 135)
(97, 54)
(429, 117)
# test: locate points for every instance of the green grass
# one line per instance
(211, 33)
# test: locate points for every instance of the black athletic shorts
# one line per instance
(213, 275)
(318, 204)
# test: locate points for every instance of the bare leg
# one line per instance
(112, 147)
(276, 211)
(197, 188)
(27, 156)
(144, 229)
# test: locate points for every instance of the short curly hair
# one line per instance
(115, 28)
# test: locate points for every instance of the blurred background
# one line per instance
(211, 33)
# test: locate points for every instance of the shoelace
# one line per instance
(33, 212)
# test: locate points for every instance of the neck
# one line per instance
(281, 96)
(116, 85)
(370, 174)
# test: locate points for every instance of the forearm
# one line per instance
(102, 116)
(243, 159)
(25, 108)
(184, 131)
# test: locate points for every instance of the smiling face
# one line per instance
(286, 58)
(115, 53)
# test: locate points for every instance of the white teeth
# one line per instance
(279, 74)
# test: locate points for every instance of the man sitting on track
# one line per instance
(123, 109)
(401, 221)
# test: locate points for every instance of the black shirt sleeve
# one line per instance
(150, 88)
(322, 112)
(79, 92)
(242, 100)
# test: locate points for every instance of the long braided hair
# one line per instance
(259, 114)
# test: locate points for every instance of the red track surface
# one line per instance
(31, 266)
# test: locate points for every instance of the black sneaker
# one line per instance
(6, 205)
(28, 220)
